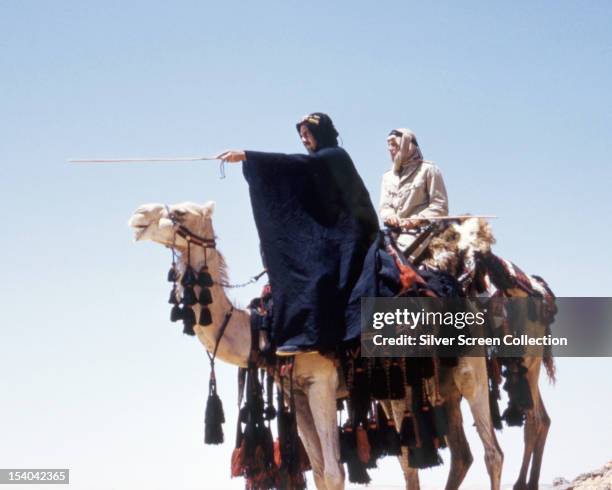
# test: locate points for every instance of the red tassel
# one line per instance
(363, 445)
(277, 453)
(237, 467)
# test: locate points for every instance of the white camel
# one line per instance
(315, 377)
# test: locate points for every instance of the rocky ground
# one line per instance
(600, 479)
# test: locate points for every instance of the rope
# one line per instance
(224, 325)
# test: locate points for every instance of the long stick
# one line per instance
(144, 160)
(444, 218)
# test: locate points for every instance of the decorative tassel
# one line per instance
(440, 421)
(291, 478)
(494, 407)
(522, 392)
(357, 472)
(376, 443)
(205, 316)
(277, 453)
(172, 277)
(412, 370)
(378, 383)
(260, 471)
(188, 320)
(347, 442)
(237, 465)
(424, 457)
(513, 415)
(290, 473)
(397, 388)
(205, 297)
(407, 434)
(363, 445)
(213, 431)
(429, 423)
(173, 300)
(519, 395)
(204, 279)
(360, 393)
(393, 446)
(176, 313)
(390, 440)
(237, 461)
(494, 376)
(270, 412)
(189, 297)
(189, 277)
(424, 454)
(267, 445)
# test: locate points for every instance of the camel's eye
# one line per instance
(177, 215)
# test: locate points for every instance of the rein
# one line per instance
(205, 243)
(211, 357)
(252, 280)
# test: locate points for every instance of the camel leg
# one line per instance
(310, 438)
(471, 379)
(538, 451)
(461, 456)
(494, 457)
(529, 439)
(317, 376)
(535, 430)
(396, 410)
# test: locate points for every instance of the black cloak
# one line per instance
(316, 223)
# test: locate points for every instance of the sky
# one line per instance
(511, 100)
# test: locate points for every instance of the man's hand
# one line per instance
(392, 221)
(409, 223)
(232, 156)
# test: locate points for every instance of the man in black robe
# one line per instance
(315, 222)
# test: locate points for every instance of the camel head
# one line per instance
(158, 222)
(475, 235)
(454, 249)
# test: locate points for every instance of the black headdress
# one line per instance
(322, 128)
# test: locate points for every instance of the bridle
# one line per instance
(192, 278)
(205, 243)
(187, 234)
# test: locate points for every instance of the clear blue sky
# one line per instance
(512, 100)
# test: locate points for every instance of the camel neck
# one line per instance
(234, 348)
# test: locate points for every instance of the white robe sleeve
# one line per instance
(438, 199)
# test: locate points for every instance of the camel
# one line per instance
(457, 252)
(316, 380)
(315, 377)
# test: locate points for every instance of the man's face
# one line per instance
(308, 140)
(393, 146)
